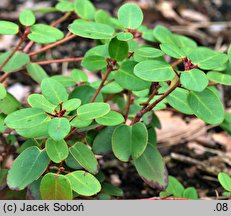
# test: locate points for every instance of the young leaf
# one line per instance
(172, 50)
(93, 110)
(221, 78)
(58, 128)
(55, 187)
(91, 30)
(84, 183)
(194, 80)
(94, 62)
(71, 104)
(154, 71)
(151, 168)
(39, 101)
(111, 119)
(117, 49)
(225, 181)
(16, 62)
(56, 150)
(36, 72)
(129, 141)
(44, 34)
(130, 16)
(124, 36)
(79, 76)
(102, 142)
(8, 28)
(85, 157)
(190, 193)
(27, 18)
(127, 79)
(3, 92)
(145, 53)
(53, 91)
(207, 59)
(178, 100)
(27, 167)
(25, 118)
(207, 106)
(9, 104)
(84, 9)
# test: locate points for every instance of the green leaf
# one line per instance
(85, 94)
(207, 59)
(36, 72)
(71, 104)
(55, 187)
(109, 88)
(84, 9)
(27, 167)
(58, 128)
(184, 42)
(16, 62)
(172, 50)
(93, 110)
(174, 188)
(79, 76)
(91, 30)
(151, 168)
(102, 143)
(154, 71)
(129, 141)
(145, 53)
(3, 92)
(84, 183)
(56, 150)
(225, 181)
(194, 80)
(117, 49)
(124, 36)
(9, 104)
(64, 80)
(39, 101)
(221, 78)
(103, 17)
(27, 18)
(72, 163)
(94, 62)
(207, 106)
(65, 6)
(37, 131)
(127, 79)
(2, 125)
(28, 143)
(190, 193)
(112, 190)
(45, 34)
(229, 53)
(163, 35)
(111, 119)
(25, 118)
(130, 16)
(85, 157)
(53, 91)
(8, 28)
(80, 123)
(178, 100)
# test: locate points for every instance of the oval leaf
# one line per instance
(93, 110)
(8, 28)
(145, 53)
(118, 49)
(53, 91)
(154, 71)
(27, 18)
(207, 106)
(56, 150)
(55, 187)
(221, 78)
(84, 183)
(130, 16)
(58, 128)
(85, 9)
(36, 72)
(27, 167)
(111, 119)
(225, 181)
(84, 156)
(3, 92)
(151, 168)
(194, 80)
(129, 141)
(94, 62)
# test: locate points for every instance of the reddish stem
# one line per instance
(59, 61)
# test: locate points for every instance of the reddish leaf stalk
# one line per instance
(59, 61)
